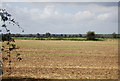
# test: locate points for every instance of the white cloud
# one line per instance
(81, 15)
(34, 13)
(0, 5)
(60, 0)
(48, 12)
(50, 18)
(100, 8)
(103, 16)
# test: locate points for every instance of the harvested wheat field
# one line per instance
(65, 60)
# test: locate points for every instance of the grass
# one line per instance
(83, 48)
(72, 39)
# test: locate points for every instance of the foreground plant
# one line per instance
(8, 43)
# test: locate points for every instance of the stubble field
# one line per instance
(66, 59)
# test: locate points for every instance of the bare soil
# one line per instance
(80, 66)
(66, 67)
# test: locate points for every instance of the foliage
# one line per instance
(90, 35)
(38, 35)
(114, 35)
(48, 34)
(8, 44)
(6, 17)
(69, 39)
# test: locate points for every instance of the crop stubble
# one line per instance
(66, 59)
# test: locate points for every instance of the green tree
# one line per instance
(48, 34)
(114, 35)
(80, 35)
(30, 35)
(90, 35)
(38, 35)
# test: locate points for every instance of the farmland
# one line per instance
(64, 59)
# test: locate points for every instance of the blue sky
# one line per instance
(64, 17)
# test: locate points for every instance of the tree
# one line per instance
(38, 35)
(30, 35)
(47, 34)
(6, 17)
(80, 35)
(90, 35)
(114, 35)
(65, 36)
(9, 45)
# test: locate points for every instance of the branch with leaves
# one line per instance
(8, 42)
(6, 17)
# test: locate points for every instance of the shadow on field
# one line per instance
(30, 79)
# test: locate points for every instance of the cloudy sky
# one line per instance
(64, 17)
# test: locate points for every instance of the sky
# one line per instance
(60, 0)
(64, 17)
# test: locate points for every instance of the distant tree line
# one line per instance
(48, 35)
(90, 35)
